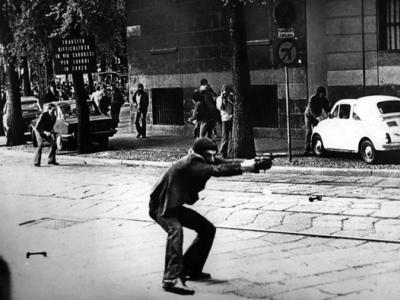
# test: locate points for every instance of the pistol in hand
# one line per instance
(262, 163)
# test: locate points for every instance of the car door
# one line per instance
(328, 131)
(338, 131)
(344, 131)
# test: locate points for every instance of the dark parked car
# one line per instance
(66, 127)
(30, 110)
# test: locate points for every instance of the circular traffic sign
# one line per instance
(287, 52)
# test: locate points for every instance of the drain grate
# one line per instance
(50, 223)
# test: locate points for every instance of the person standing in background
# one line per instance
(141, 100)
(116, 102)
(225, 106)
(317, 106)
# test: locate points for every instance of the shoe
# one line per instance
(198, 276)
(37, 165)
(138, 135)
(177, 286)
(53, 163)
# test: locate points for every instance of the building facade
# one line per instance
(349, 46)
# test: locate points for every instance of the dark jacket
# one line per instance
(117, 100)
(46, 122)
(144, 101)
(315, 106)
(183, 181)
(50, 97)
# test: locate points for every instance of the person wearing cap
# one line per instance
(180, 186)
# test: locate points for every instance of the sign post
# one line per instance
(286, 53)
(289, 138)
(76, 55)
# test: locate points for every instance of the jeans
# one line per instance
(140, 122)
(206, 128)
(226, 137)
(178, 264)
(40, 142)
(309, 130)
(115, 110)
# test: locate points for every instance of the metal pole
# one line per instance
(289, 139)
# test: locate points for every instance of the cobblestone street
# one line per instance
(271, 242)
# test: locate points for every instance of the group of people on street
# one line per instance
(108, 101)
(210, 109)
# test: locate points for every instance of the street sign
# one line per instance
(74, 55)
(287, 52)
(286, 33)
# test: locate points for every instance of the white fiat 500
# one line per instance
(367, 125)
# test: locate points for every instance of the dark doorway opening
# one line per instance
(264, 105)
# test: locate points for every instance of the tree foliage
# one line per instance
(34, 22)
(30, 24)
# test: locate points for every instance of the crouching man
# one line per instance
(180, 185)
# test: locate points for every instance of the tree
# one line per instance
(15, 133)
(35, 22)
(242, 132)
(84, 17)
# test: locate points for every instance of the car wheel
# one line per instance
(318, 146)
(60, 144)
(34, 140)
(368, 152)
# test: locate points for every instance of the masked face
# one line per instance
(209, 156)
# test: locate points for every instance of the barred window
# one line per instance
(389, 24)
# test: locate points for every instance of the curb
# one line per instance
(335, 171)
(274, 169)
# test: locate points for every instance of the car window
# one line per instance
(335, 113)
(389, 107)
(65, 110)
(344, 111)
(93, 111)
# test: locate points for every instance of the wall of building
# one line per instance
(182, 41)
(349, 62)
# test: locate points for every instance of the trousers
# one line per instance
(226, 137)
(40, 142)
(140, 122)
(192, 261)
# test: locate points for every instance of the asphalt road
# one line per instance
(271, 243)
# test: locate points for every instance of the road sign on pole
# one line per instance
(287, 52)
(289, 138)
(74, 55)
